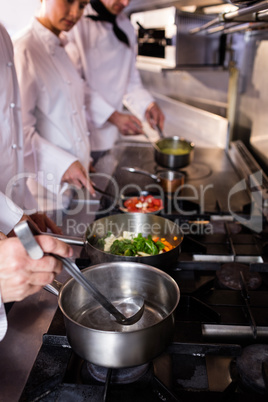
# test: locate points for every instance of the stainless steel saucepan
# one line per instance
(99, 340)
(173, 152)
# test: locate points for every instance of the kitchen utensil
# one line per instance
(133, 306)
(160, 132)
(147, 203)
(138, 223)
(172, 160)
(106, 343)
(154, 145)
(169, 180)
(147, 224)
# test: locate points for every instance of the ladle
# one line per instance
(134, 305)
(154, 145)
(160, 132)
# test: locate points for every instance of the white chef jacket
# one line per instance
(11, 142)
(109, 68)
(53, 105)
(11, 137)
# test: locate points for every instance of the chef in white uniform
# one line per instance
(15, 199)
(20, 276)
(53, 99)
(106, 42)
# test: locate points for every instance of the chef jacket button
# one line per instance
(12, 105)
(16, 184)
(79, 139)
(68, 82)
(74, 112)
(14, 146)
(10, 64)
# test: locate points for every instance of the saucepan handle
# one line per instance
(140, 171)
(53, 287)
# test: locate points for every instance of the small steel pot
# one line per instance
(93, 334)
(169, 159)
(169, 180)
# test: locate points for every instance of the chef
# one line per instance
(53, 99)
(14, 197)
(106, 42)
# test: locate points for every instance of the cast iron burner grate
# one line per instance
(249, 372)
(118, 376)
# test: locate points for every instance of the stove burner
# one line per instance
(229, 276)
(248, 368)
(119, 376)
(196, 171)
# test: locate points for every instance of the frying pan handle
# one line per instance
(73, 241)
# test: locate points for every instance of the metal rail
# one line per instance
(255, 13)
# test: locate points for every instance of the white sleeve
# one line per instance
(38, 151)
(3, 320)
(10, 214)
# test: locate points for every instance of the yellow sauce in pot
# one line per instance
(175, 151)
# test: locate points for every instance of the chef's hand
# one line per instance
(77, 176)
(2, 236)
(127, 124)
(41, 221)
(155, 116)
(20, 276)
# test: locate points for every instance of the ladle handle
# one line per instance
(75, 272)
(160, 132)
(154, 145)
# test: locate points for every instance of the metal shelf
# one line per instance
(251, 17)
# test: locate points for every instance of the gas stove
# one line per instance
(214, 324)
(219, 316)
(221, 323)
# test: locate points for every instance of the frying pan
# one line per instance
(131, 222)
(119, 203)
(169, 159)
(101, 341)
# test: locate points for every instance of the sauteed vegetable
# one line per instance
(132, 244)
(144, 204)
